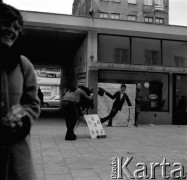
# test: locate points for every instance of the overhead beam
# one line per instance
(107, 26)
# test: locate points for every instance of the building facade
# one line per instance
(149, 11)
(117, 52)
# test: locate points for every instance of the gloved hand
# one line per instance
(101, 91)
(14, 126)
(14, 116)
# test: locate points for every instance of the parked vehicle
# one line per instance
(52, 102)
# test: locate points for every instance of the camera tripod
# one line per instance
(79, 120)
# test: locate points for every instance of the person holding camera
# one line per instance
(72, 102)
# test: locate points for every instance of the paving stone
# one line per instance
(87, 178)
(86, 158)
(84, 173)
(59, 177)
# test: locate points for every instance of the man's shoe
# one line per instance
(71, 137)
(74, 135)
(136, 125)
(109, 125)
(103, 120)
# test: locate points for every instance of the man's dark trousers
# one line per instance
(110, 117)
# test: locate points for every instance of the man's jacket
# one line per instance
(118, 103)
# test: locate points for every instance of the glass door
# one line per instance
(180, 99)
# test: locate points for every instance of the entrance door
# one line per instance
(180, 99)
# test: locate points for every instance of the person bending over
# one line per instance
(71, 104)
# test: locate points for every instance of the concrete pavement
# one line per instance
(90, 159)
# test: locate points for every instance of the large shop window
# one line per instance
(155, 94)
(146, 51)
(114, 49)
(174, 53)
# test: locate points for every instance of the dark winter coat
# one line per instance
(138, 101)
(18, 87)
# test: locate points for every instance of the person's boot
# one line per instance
(74, 135)
(135, 123)
(110, 122)
(70, 136)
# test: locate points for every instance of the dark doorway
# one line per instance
(52, 50)
(180, 99)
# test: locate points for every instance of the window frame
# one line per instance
(159, 20)
(148, 2)
(129, 39)
(116, 1)
(104, 13)
(164, 49)
(115, 14)
(148, 19)
(159, 2)
(150, 50)
(128, 16)
(132, 1)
